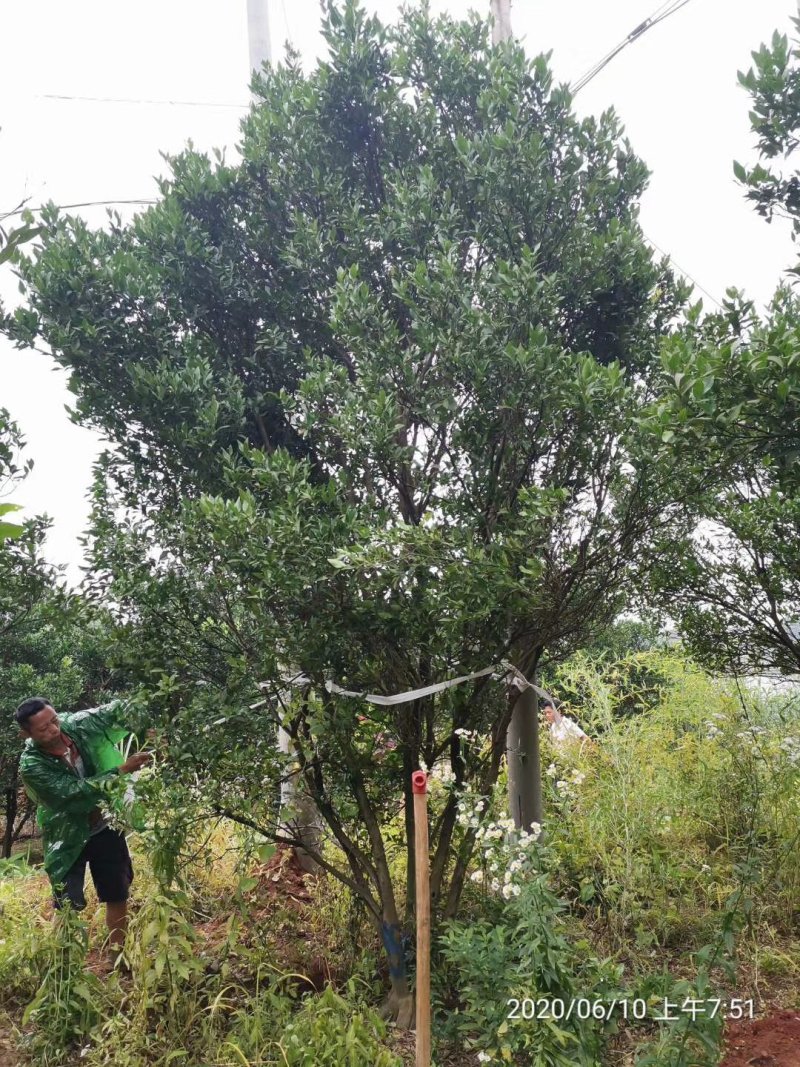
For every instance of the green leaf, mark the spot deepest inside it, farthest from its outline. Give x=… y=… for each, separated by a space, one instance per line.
x=10 y=531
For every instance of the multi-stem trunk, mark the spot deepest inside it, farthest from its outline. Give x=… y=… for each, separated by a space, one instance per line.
x=10 y=815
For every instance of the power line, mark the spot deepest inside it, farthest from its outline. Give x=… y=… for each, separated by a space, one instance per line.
x=286 y=20
x=686 y=274
x=85 y=203
x=669 y=7
x=143 y=202
x=108 y=203
x=143 y=100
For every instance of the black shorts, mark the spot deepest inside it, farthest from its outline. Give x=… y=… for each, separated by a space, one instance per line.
x=112 y=871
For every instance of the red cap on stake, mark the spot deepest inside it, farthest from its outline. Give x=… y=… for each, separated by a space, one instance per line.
x=419 y=782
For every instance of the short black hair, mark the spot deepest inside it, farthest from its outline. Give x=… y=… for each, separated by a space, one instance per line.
x=548 y=703
x=31 y=706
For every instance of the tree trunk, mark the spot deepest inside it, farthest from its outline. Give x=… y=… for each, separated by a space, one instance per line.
x=11 y=815
x=300 y=817
x=399 y=1004
x=524 y=770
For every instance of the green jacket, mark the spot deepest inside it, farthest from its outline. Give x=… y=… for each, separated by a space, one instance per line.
x=64 y=800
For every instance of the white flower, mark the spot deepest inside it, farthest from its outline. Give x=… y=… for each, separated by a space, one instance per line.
x=552 y=771
x=466 y=735
x=508 y=891
x=484 y=1057
x=495 y=884
x=477 y=876
x=515 y=889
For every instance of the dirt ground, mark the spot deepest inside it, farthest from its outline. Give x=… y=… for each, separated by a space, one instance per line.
x=8 y=1057
x=770 y=1042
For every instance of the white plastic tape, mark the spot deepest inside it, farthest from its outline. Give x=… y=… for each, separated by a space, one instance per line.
x=518 y=680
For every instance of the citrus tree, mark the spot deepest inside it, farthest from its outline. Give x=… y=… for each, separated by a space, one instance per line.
x=374 y=393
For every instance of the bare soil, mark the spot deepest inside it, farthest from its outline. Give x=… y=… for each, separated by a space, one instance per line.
x=8 y=1057
x=770 y=1042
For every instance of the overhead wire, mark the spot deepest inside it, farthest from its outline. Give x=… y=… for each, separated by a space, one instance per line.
x=85 y=203
x=669 y=7
x=142 y=100
x=143 y=202
x=685 y=273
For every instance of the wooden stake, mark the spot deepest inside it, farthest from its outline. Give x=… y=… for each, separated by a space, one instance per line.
x=419 y=787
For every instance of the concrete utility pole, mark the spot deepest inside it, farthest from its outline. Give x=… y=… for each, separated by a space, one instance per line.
x=299 y=815
x=524 y=770
x=522 y=738
x=501 y=13
x=258 y=33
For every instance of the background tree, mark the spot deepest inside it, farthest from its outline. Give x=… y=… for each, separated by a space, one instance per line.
x=773 y=83
x=731 y=412
x=374 y=398
x=51 y=644
x=10 y=473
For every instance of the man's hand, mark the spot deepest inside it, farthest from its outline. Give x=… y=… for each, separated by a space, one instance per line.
x=135 y=761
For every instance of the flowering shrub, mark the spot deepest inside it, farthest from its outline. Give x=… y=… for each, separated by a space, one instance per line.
x=518 y=953
x=507 y=855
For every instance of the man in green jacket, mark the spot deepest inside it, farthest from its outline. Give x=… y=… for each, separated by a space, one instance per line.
x=64 y=764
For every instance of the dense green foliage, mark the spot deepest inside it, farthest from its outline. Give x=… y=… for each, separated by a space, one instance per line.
x=731 y=409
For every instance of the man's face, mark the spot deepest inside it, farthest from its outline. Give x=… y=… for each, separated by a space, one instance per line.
x=43 y=727
x=549 y=714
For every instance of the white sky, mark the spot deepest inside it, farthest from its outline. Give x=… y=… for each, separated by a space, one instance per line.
x=675 y=89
